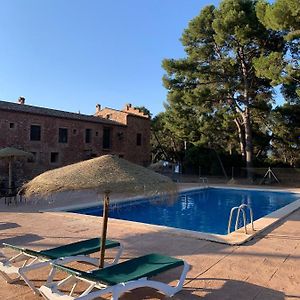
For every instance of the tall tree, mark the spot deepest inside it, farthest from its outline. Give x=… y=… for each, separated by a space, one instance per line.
x=165 y=144
x=145 y=110
x=218 y=73
x=282 y=67
x=285 y=126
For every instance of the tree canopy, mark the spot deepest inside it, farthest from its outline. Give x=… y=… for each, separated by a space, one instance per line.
x=216 y=83
x=282 y=67
x=285 y=126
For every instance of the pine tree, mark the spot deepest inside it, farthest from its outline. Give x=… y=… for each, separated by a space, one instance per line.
x=218 y=75
x=282 y=67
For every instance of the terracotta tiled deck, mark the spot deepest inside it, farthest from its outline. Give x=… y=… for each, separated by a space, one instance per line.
x=267 y=267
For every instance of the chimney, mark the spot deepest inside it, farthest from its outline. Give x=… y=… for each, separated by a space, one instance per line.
x=128 y=106
x=21 y=100
x=98 y=108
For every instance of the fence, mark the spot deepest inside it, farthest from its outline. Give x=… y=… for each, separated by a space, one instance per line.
x=265 y=175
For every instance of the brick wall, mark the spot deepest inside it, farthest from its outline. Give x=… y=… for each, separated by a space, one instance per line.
x=76 y=149
x=137 y=124
x=15 y=132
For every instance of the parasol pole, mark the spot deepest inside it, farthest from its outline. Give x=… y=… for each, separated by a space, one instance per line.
x=104 y=227
x=10 y=175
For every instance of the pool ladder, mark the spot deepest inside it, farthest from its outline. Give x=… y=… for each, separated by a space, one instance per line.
x=204 y=181
x=240 y=209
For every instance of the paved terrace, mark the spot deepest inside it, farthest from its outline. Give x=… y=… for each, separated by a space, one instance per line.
x=267 y=267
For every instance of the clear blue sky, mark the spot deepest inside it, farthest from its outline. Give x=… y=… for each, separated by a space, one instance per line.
x=72 y=54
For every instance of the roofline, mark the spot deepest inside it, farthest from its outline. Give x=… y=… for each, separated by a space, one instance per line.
x=118 y=110
x=69 y=115
x=127 y=113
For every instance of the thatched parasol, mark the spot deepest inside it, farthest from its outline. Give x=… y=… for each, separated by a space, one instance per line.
x=11 y=153
x=105 y=174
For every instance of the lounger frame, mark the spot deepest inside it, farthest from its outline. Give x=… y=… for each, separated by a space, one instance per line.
x=51 y=291
x=34 y=262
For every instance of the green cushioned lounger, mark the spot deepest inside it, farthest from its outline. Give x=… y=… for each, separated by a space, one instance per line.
x=120 y=277
x=84 y=247
x=136 y=268
x=78 y=251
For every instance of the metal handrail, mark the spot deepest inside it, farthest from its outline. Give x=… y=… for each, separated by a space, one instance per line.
x=240 y=209
x=230 y=218
x=203 y=181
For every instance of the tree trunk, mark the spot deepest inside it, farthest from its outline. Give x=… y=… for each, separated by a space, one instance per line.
x=241 y=133
x=248 y=142
x=160 y=145
x=245 y=114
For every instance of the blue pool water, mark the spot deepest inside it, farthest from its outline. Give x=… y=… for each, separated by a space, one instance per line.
x=205 y=210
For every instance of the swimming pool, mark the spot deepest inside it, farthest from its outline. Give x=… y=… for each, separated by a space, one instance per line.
x=205 y=210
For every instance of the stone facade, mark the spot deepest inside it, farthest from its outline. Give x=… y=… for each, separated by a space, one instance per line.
x=58 y=138
x=137 y=134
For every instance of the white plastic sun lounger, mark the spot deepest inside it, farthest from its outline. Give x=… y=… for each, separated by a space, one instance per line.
x=117 y=279
x=27 y=260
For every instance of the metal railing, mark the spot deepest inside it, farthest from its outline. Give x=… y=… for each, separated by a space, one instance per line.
x=203 y=181
x=240 y=209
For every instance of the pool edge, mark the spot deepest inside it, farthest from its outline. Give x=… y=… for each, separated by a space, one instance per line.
x=234 y=238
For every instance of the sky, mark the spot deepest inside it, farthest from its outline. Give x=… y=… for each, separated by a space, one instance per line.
x=72 y=54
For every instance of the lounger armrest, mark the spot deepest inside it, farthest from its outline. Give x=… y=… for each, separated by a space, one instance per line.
x=13 y=247
x=24 y=250
x=68 y=270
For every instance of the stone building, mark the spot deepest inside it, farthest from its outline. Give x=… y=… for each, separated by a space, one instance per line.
x=138 y=131
x=57 y=138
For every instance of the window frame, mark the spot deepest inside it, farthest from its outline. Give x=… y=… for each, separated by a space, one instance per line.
x=32 y=133
x=57 y=157
x=88 y=137
x=63 y=135
x=139 y=139
x=106 y=139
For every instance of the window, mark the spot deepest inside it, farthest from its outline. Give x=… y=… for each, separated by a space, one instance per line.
x=35 y=132
x=106 y=138
x=88 y=135
x=11 y=125
x=54 y=157
x=96 y=133
x=74 y=131
x=139 y=139
x=62 y=135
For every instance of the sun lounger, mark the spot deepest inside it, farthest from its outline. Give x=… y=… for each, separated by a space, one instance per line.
x=27 y=260
x=117 y=279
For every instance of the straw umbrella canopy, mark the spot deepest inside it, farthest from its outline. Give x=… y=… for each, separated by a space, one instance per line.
x=105 y=174
x=10 y=154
